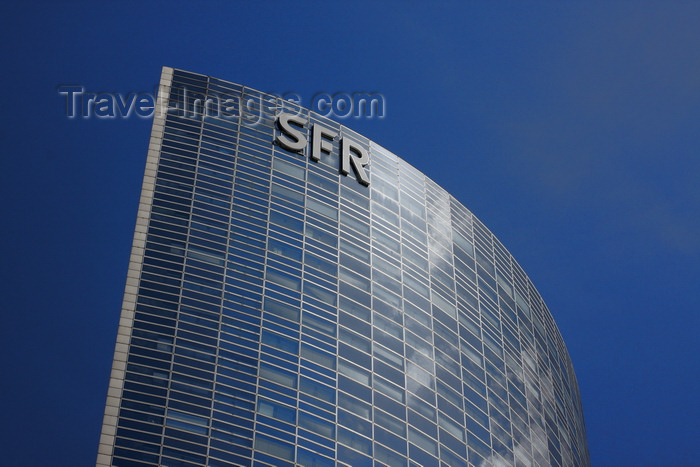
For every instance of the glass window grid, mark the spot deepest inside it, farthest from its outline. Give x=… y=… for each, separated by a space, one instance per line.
x=522 y=327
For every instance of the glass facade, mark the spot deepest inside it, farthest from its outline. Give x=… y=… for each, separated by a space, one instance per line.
x=278 y=312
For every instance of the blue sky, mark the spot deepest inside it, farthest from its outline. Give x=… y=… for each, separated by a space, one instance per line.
x=571 y=129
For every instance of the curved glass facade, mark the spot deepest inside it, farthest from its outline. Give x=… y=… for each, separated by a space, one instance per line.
x=280 y=312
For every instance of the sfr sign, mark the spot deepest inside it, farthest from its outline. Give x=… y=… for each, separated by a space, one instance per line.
x=292 y=138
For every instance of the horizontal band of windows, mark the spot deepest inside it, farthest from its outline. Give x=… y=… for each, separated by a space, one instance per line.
x=143 y=393
x=129 y=396
x=253 y=137
x=224 y=420
x=175 y=176
x=252 y=192
x=172 y=153
x=200 y=408
x=282 y=323
x=182 y=144
x=133 y=408
x=255 y=192
x=322 y=268
x=187 y=155
x=202 y=257
x=359 y=280
x=201 y=297
x=202 y=284
x=149 y=353
x=150 y=430
x=285 y=227
x=215 y=195
x=320 y=222
x=253 y=144
x=323 y=185
x=285 y=246
x=279 y=436
x=252 y=166
x=351 y=228
x=171 y=206
x=177 y=453
x=313 y=446
x=248 y=213
x=232 y=333
x=155 y=323
x=145 y=375
x=228 y=450
x=242 y=315
x=148 y=287
x=122 y=456
x=319 y=182
x=244 y=374
x=214 y=181
x=247 y=207
x=169 y=187
x=156 y=275
x=156 y=361
x=236 y=384
x=314 y=396
x=195 y=411
x=227 y=366
x=186 y=435
x=233 y=327
x=163 y=247
x=193 y=358
x=254 y=239
x=243 y=280
x=225 y=89
x=218 y=161
x=195 y=342
x=217 y=157
x=172 y=216
x=171 y=134
x=318 y=327
x=323 y=371
x=209 y=216
x=194 y=396
x=244 y=269
x=279 y=357
x=167 y=232
x=209 y=225
x=194 y=83
x=285 y=263
x=144 y=413
x=320 y=385
x=218 y=138
x=228 y=121
x=389 y=456
x=241 y=297
x=172 y=121
x=320 y=287
x=350 y=420
x=138 y=440
x=283 y=179
x=174 y=168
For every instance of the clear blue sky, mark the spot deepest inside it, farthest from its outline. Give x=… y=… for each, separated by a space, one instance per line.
x=571 y=129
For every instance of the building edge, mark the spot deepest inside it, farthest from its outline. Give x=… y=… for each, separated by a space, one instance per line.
x=126 y=319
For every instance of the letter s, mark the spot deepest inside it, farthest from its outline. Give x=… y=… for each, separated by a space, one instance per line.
x=291 y=138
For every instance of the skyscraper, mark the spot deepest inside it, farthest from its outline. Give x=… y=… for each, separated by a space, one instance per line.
x=298 y=295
